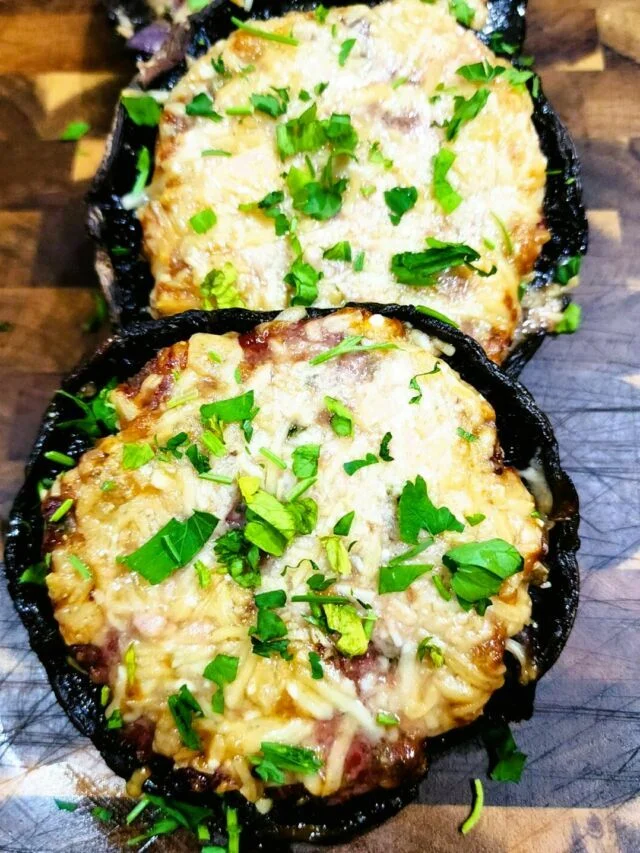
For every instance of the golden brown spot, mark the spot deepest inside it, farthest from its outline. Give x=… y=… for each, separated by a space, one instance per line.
x=489 y=655
x=164 y=364
x=530 y=241
x=246 y=47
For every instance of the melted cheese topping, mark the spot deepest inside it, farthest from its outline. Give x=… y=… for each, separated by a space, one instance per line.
x=177 y=627
x=499 y=170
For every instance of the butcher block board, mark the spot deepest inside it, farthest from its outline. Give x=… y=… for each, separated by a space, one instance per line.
x=580 y=792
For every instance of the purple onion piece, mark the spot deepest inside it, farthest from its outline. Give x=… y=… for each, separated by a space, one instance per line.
x=151 y=38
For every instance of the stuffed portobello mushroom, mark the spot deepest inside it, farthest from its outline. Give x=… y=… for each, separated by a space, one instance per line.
x=290 y=555
x=379 y=153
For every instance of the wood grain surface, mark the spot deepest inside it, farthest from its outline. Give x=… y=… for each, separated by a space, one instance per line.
x=580 y=792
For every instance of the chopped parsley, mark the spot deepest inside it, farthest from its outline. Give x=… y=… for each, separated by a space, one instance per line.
x=475 y=519
x=462 y=12
x=240 y=558
x=337 y=555
x=264 y=34
x=215 y=152
x=345 y=49
x=443 y=592
x=115 y=721
x=416 y=512
x=316 y=666
x=348 y=345
x=341 y=419
x=184 y=707
x=413 y=382
x=203 y=221
x=270 y=207
x=431 y=312
x=344 y=619
x=172 y=547
x=342 y=527
x=422 y=268
x=479 y=569
x=320 y=13
x=476 y=811
x=384 y=718
x=303 y=278
x=199 y=461
x=397 y=577
x=99 y=413
x=376 y=156
x=222 y=670
x=356 y=464
x=203 y=573
x=273 y=105
x=61 y=511
x=60 y=458
x=384 y=453
x=400 y=200
x=466 y=436
x=232 y=410
x=37 y=572
x=339 y=252
x=320 y=199
x=570 y=321
x=74 y=131
x=305 y=460
x=464 y=110
x=268 y=635
x=507 y=762
x=201 y=105
x=506 y=237
x=80 y=567
x=443 y=192
x=427 y=646
x=567 y=269
x=358 y=262
x=136 y=455
x=272 y=457
x=308 y=133
x=277 y=758
x=143 y=110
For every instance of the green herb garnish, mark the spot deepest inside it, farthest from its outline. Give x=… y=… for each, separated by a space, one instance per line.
x=416 y=512
x=443 y=192
x=345 y=49
x=348 y=345
x=264 y=34
x=341 y=419
x=305 y=460
x=75 y=130
x=400 y=200
x=479 y=570
x=184 y=707
x=342 y=527
x=277 y=758
x=134 y=456
x=203 y=221
x=356 y=464
x=222 y=670
x=143 y=110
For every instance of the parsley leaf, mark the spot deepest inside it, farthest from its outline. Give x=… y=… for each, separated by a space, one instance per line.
x=99 y=412
x=413 y=382
x=341 y=419
x=480 y=72
x=218 y=285
x=507 y=762
x=274 y=758
x=466 y=436
x=172 y=547
x=316 y=666
x=475 y=519
x=264 y=34
x=339 y=252
x=203 y=221
x=184 y=707
x=305 y=460
x=422 y=268
x=342 y=526
x=462 y=12
x=233 y=410
x=344 y=619
x=202 y=105
x=479 y=569
x=567 y=269
x=240 y=557
x=75 y=130
x=222 y=670
x=348 y=345
x=443 y=192
x=270 y=104
x=376 y=156
x=427 y=646
x=383 y=453
x=143 y=110
x=268 y=635
x=464 y=110
x=400 y=200
x=136 y=455
x=303 y=278
x=416 y=512
x=337 y=555
x=570 y=321
x=345 y=49
x=356 y=464
x=399 y=576
x=431 y=312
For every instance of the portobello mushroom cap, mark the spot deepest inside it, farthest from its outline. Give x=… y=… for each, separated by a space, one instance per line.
x=527 y=441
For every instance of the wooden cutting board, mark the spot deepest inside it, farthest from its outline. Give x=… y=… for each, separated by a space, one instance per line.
x=59 y=62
